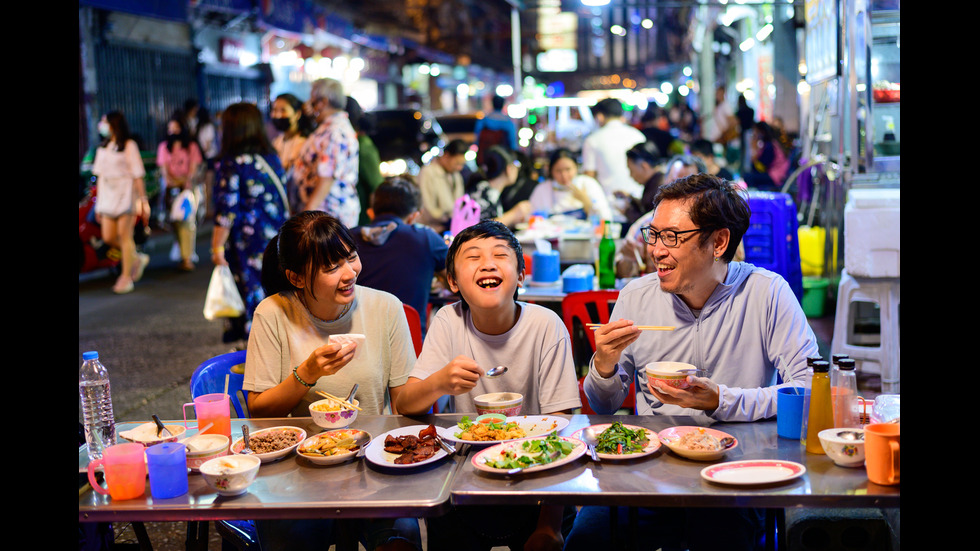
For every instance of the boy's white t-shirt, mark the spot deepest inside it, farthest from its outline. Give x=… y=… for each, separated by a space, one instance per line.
x=537 y=350
x=284 y=334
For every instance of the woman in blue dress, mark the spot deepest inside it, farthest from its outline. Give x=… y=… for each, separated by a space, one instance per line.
x=250 y=206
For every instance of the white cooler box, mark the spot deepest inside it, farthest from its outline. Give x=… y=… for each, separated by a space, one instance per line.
x=872 y=233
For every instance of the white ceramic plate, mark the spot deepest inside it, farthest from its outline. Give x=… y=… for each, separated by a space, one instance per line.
x=668 y=436
x=652 y=446
x=269 y=457
x=493 y=453
x=533 y=425
x=754 y=471
x=328 y=459
x=376 y=453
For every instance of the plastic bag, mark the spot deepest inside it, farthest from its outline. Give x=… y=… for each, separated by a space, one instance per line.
x=184 y=207
x=223 y=299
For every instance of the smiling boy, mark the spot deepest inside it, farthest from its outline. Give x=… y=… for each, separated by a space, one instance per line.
x=490 y=327
x=486 y=328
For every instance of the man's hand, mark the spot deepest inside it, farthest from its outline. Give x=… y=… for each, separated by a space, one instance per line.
x=702 y=394
x=610 y=341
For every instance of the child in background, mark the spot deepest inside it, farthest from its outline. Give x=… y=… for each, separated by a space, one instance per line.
x=486 y=328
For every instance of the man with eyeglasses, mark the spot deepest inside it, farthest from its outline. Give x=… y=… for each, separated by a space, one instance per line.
x=740 y=324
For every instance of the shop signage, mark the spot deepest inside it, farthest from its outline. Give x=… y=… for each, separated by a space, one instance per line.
x=230 y=50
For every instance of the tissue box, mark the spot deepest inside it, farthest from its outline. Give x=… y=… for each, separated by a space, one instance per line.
x=578 y=277
x=872 y=233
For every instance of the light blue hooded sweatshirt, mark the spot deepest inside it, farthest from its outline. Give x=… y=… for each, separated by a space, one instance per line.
x=751 y=328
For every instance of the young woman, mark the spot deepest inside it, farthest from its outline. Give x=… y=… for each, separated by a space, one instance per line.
x=178 y=158
x=568 y=192
x=310 y=273
x=250 y=206
x=121 y=193
x=288 y=118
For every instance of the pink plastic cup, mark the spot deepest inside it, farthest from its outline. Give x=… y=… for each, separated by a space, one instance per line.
x=125 y=471
x=214 y=409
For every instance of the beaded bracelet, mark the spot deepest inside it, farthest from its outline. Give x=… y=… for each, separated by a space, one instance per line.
x=300 y=379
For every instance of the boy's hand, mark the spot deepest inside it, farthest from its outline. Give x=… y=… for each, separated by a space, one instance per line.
x=460 y=375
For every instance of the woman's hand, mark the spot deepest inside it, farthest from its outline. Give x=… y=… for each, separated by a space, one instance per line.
x=326 y=360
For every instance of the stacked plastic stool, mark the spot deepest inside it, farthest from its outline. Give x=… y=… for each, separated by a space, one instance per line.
x=871 y=275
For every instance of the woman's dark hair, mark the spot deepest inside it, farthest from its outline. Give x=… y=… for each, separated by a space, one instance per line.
x=183 y=136
x=647 y=152
x=495 y=162
x=764 y=130
x=716 y=204
x=119 y=128
x=307 y=243
x=243 y=131
x=484 y=229
x=397 y=196
x=559 y=154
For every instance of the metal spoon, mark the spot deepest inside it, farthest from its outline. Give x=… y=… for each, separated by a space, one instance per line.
x=160 y=427
x=588 y=435
x=246 y=450
x=362 y=439
x=350 y=396
x=496 y=371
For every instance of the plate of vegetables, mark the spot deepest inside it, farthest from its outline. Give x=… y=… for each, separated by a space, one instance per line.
x=529 y=454
x=619 y=441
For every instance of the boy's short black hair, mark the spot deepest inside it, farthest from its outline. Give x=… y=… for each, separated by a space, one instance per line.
x=484 y=229
x=396 y=196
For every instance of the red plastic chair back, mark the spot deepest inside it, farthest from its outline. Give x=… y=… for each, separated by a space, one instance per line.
x=575 y=306
x=415 y=327
x=628 y=403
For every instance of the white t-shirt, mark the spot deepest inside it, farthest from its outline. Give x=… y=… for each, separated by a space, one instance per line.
x=604 y=152
x=557 y=199
x=537 y=350
x=284 y=334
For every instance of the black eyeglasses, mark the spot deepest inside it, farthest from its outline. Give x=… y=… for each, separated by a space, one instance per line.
x=667 y=237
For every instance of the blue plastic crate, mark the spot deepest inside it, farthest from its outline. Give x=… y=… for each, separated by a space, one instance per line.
x=772 y=240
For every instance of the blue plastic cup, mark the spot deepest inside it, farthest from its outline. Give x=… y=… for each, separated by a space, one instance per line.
x=167 y=464
x=789 y=411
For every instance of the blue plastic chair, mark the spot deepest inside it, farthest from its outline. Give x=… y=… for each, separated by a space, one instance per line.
x=209 y=378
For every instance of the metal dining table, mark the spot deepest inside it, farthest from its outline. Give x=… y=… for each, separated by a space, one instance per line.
x=295 y=488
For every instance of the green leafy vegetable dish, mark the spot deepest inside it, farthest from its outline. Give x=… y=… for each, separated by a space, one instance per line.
x=619 y=439
x=530 y=453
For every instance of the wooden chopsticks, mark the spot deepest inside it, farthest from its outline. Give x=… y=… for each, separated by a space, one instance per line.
x=594 y=326
x=340 y=401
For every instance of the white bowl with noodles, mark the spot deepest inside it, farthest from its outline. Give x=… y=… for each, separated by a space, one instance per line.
x=329 y=414
x=230 y=475
x=693 y=442
x=333 y=446
x=285 y=433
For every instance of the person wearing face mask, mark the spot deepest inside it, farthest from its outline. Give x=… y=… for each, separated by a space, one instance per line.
x=309 y=272
x=121 y=192
x=178 y=158
x=294 y=126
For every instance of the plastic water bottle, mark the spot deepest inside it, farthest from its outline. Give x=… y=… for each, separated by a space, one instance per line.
x=93 y=388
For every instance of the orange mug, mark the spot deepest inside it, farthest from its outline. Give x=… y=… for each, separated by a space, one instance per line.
x=882 y=453
x=125 y=471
